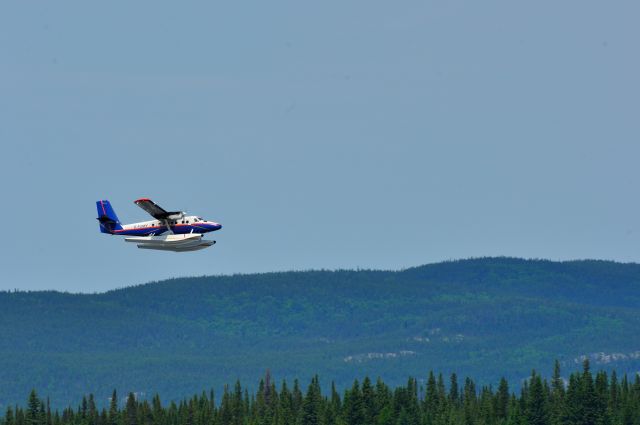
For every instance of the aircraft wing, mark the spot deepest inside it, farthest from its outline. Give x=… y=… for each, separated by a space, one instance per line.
x=157 y=211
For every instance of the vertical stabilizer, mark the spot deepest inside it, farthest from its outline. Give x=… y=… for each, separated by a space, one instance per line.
x=107 y=217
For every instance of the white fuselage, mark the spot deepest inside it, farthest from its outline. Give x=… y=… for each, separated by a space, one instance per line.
x=183 y=225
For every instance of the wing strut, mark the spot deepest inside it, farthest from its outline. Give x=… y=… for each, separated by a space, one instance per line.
x=166 y=223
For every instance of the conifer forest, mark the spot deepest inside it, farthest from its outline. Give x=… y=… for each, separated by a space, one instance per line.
x=585 y=398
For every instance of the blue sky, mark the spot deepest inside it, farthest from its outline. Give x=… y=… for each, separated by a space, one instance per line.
x=320 y=134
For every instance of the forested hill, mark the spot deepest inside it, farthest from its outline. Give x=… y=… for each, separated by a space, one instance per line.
x=484 y=318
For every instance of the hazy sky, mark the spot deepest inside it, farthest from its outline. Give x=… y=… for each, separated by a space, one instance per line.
x=332 y=134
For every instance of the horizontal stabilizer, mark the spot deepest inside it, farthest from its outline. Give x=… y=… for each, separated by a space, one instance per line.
x=105 y=219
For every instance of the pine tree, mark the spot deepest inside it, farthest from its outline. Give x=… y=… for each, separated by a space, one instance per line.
x=502 y=399
x=588 y=399
x=413 y=405
x=145 y=416
x=556 y=408
x=354 y=406
x=486 y=407
x=131 y=413
x=33 y=409
x=602 y=399
x=383 y=395
x=614 y=401
x=536 y=412
x=368 y=401
x=260 y=406
x=442 y=398
x=237 y=404
x=270 y=399
x=573 y=414
x=113 y=409
x=431 y=400
x=469 y=402
x=312 y=404
x=157 y=412
x=287 y=414
x=333 y=406
x=84 y=407
x=296 y=400
x=225 y=412
x=454 y=396
x=92 y=412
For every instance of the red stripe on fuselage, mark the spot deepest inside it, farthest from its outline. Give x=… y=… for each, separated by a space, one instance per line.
x=140 y=228
x=159 y=227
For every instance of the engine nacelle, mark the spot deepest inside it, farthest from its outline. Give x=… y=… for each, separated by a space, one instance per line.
x=177 y=215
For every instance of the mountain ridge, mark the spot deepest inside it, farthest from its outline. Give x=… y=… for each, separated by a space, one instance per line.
x=484 y=317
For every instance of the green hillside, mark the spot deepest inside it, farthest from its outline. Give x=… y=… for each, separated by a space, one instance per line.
x=485 y=318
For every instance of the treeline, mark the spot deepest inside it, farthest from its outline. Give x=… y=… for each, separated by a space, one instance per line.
x=584 y=399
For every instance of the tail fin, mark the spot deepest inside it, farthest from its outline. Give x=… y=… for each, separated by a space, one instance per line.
x=107 y=217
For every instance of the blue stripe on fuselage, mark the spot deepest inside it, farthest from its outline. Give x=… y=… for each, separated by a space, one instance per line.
x=176 y=229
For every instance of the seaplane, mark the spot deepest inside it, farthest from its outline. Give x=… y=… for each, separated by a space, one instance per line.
x=169 y=231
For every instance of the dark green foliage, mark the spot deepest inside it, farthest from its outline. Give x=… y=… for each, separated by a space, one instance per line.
x=502 y=400
x=33 y=410
x=354 y=410
x=536 y=412
x=131 y=411
x=313 y=406
x=482 y=317
x=556 y=399
x=602 y=401
x=113 y=409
